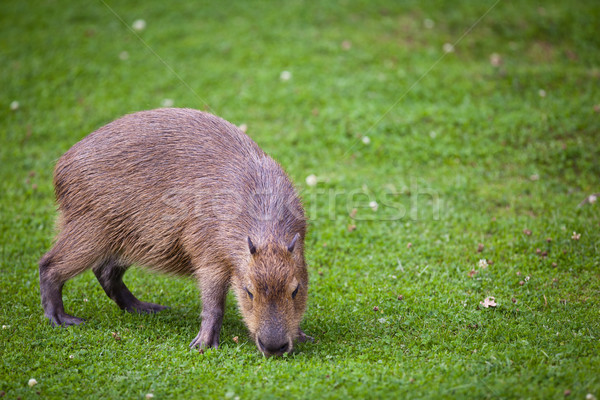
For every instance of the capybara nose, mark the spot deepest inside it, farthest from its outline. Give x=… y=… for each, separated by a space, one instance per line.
x=273 y=347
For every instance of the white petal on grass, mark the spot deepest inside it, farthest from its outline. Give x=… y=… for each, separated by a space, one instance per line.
x=448 y=48
x=285 y=75
x=139 y=25
x=366 y=140
x=488 y=302
x=167 y=103
x=428 y=23
x=495 y=60
x=374 y=206
x=14 y=105
x=483 y=264
x=32 y=382
x=311 y=180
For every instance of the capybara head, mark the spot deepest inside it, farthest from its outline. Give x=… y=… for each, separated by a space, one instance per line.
x=272 y=292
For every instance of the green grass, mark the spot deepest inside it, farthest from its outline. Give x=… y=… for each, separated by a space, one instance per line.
x=461 y=152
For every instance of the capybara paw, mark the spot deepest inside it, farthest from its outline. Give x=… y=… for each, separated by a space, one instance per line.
x=141 y=307
x=303 y=337
x=64 y=320
x=203 y=341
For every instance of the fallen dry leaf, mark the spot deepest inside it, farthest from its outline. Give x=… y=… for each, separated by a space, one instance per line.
x=235 y=339
x=351 y=227
x=353 y=213
x=472 y=273
x=480 y=247
x=488 y=302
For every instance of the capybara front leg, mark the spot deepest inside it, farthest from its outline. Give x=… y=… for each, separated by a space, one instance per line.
x=214 y=291
x=110 y=275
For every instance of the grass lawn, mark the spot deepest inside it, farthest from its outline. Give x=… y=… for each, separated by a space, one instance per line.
x=474 y=126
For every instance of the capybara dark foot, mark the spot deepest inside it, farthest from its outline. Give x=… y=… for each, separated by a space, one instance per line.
x=206 y=338
x=63 y=319
x=303 y=337
x=141 y=307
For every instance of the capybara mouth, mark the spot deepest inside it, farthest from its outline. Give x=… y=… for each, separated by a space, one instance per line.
x=271 y=349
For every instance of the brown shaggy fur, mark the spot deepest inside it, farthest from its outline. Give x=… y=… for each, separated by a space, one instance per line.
x=187 y=193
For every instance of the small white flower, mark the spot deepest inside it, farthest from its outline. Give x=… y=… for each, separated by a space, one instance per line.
x=590 y=396
x=85 y=300
x=366 y=140
x=448 y=48
x=542 y=93
x=495 y=60
x=527 y=278
x=123 y=55
x=139 y=25
x=149 y=396
x=488 y=302
x=243 y=128
x=576 y=236
x=311 y=180
x=374 y=206
x=285 y=75
x=428 y=23
x=483 y=264
x=14 y=105
x=167 y=103
x=5 y=326
x=71 y=356
x=32 y=382
x=592 y=198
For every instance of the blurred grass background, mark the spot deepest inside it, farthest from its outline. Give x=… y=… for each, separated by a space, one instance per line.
x=468 y=123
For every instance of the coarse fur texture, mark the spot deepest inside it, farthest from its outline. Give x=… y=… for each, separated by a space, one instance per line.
x=187 y=193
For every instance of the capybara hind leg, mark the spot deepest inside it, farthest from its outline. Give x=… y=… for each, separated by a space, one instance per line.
x=214 y=292
x=110 y=275
x=51 y=284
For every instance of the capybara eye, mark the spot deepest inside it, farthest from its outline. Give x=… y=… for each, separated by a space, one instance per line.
x=295 y=292
x=249 y=294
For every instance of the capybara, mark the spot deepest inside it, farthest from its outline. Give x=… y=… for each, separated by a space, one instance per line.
x=186 y=193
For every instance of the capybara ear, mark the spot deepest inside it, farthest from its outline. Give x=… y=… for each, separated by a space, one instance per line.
x=293 y=243
x=251 y=246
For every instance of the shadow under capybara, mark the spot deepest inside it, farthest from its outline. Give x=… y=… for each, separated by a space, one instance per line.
x=187 y=193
